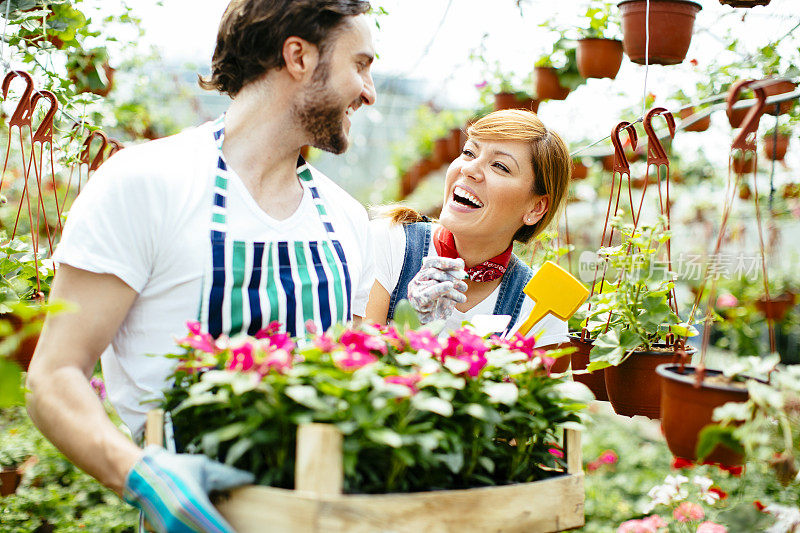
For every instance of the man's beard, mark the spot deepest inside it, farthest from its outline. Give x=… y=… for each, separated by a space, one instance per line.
x=321 y=115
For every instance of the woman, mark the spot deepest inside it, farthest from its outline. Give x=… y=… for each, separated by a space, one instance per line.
x=507 y=185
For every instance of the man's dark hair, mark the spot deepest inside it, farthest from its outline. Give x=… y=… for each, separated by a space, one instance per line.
x=252 y=32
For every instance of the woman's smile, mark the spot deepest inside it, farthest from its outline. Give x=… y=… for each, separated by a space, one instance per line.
x=464 y=199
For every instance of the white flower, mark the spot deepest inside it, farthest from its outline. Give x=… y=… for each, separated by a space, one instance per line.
x=676 y=481
x=788 y=518
x=703 y=482
x=709 y=497
x=661 y=495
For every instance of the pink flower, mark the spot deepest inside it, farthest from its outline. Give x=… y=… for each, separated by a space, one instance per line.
x=194 y=327
x=463 y=342
x=280 y=341
x=476 y=363
x=555 y=452
x=688 y=512
x=241 y=359
x=409 y=381
x=651 y=524
x=392 y=337
x=711 y=527
x=523 y=344
x=608 y=457
x=353 y=360
x=279 y=360
x=726 y=301
x=593 y=465
x=481 y=85
x=423 y=340
x=311 y=327
x=271 y=329
x=325 y=343
x=197 y=339
x=99 y=387
x=359 y=341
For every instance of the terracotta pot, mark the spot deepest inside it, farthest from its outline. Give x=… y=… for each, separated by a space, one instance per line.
x=608 y=163
x=531 y=104
x=744 y=192
x=580 y=360
x=780 y=87
x=599 y=58
x=633 y=386
x=9 y=480
x=441 y=152
x=776 y=148
x=24 y=352
x=777 y=307
x=791 y=190
x=561 y=364
x=736 y=117
x=579 y=170
x=742 y=165
x=744 y=3
x=671 y=25
x=701 y=125
x=505 y=101
x=455 y=143
x=685 y=410
x=637 y=183
x=548 y=86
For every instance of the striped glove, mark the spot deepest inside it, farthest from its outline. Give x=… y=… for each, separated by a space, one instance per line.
x=434 y=291
x=172 y=490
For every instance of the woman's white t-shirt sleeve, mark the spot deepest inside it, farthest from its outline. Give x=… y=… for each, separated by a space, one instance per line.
x=389 y=245
x=361 y=294
x=99 y=235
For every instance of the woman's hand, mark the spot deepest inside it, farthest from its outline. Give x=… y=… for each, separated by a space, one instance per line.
x=437 y=288
x=172 y=490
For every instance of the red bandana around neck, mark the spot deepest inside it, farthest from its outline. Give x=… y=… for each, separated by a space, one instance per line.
x=489 y=270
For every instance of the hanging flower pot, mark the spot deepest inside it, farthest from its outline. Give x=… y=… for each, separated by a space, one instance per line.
x=441 y=152
x=23 y=354
x=780 y=87
x=531 y=104
x=700 y=125
x=775 y=148
x=776 y=307
x=579 y=170
x=455 y=143
x=633 y=386
x=743 y=165
x=599 y=58
x=686 y=409
x=671 y=26
x=744 y=3
x=548 y=86
x=744 y=192
x=505 y=101
x=580 y=360
x=608 y=163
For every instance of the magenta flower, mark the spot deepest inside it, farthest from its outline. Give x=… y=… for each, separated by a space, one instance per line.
x=280 y=341
x=197 y=339
x=353 y=360
x=311 y=327
x=194 y=327
x=360 y=341
x=476 y=363
x=608 y=457
x=241 y=359
x=523 y=344
x=99 y=387
x=271 y=329
x=279 y=360
x=409 y=381
x=463 y=342
x=481 y=85
x=423 y=340
x=688 y=512
x=324 y=343
x=392 y=337
x=711 y=527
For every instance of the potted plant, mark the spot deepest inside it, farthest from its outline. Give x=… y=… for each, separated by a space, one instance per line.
x=671 y=27
x=415 y=413
x=501 y=86
x=744 y=164
x=13 y=463
x=579 y=169
x=775 y=146
x=632 y=318
x=599 y=52
x=556 y=74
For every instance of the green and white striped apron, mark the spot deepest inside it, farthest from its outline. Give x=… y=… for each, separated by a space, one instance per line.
x=249 y=284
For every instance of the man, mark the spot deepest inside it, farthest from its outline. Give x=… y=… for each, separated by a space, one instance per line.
x=223 y=223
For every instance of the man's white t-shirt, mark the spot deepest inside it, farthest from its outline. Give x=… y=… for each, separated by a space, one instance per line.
x=389 y=241
x=144 y=217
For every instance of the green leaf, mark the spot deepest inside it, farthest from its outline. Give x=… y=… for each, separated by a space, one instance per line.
x=238 y=449
x=405 y=316
x=385 y=436
x=434 y=404
x=713 y=435
x=10 y=384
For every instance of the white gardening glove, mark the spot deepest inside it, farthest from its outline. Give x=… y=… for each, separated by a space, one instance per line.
x=437 y=288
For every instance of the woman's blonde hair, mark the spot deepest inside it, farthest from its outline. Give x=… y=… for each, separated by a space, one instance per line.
x=550 y=160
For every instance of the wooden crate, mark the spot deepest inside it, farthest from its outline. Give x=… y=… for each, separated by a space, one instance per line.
x=318 y=505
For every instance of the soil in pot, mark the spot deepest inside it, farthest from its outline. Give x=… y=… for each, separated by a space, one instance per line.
x=776 y=148
x=777 y=307
x=671 y=27
x=701 y=125
x=548 y=86
x=580 y=360
x=686 y=410
x=633 y=386
x=599 y=58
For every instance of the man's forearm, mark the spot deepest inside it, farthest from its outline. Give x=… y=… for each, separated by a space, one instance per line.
x=66 y=410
